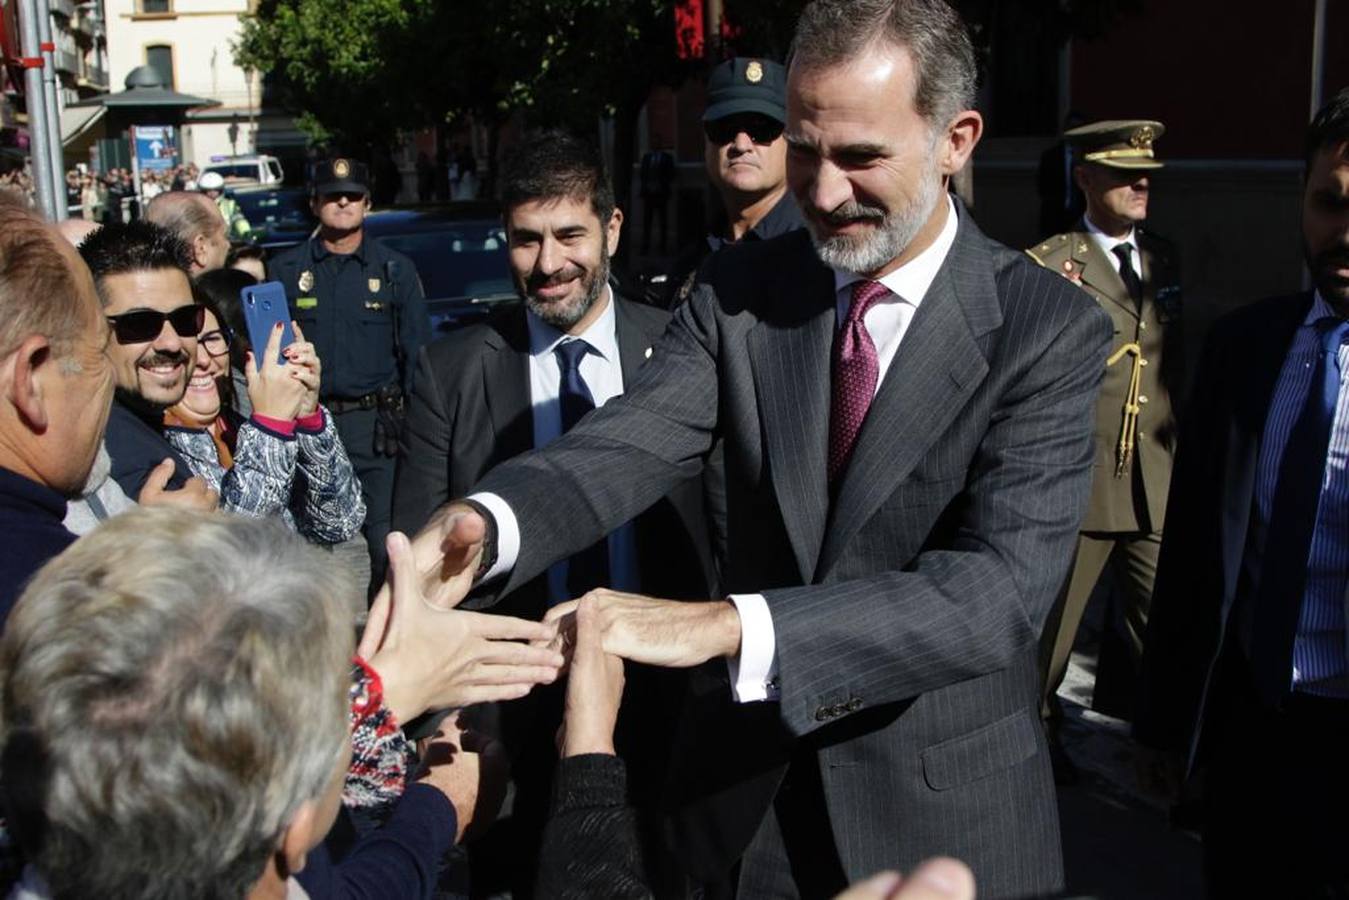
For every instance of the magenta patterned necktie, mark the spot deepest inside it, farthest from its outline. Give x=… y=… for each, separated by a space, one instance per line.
x=856 y=370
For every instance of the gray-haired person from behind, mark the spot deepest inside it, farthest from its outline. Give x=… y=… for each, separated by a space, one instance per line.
x=164 y=742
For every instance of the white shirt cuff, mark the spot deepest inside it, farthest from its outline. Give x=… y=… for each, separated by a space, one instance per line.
x=754 y=671
x=508 y=534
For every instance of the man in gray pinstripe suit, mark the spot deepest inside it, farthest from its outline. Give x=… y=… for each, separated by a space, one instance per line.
x=906 y=411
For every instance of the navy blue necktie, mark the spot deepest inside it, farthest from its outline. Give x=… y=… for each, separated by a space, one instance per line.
x=1292 y=523
x=588 y=569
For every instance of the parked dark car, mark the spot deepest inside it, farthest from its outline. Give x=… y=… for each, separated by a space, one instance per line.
x=460 y=254
x=280 y=216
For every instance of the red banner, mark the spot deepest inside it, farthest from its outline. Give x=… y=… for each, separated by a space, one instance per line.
x=689 y=30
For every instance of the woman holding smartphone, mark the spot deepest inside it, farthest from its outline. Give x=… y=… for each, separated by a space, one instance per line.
x=284 y=459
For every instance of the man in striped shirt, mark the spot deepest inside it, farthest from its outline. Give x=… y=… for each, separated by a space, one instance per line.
x=1246 y=672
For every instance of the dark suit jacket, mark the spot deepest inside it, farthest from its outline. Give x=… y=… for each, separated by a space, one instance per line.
x=906 y=612
x=1212 y=490
x=470 y=410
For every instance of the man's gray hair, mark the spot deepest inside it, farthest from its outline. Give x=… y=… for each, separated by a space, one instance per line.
x=186 y=214
x=832 y=32
x=172 y=688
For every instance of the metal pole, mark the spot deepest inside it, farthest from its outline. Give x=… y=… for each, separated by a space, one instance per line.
x=1318 y=55
x=50 y=89
x=38 y=133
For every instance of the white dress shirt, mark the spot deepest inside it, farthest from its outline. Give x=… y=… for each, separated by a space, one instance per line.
x=1108 y=244
x=602 y=371
x=754 y=670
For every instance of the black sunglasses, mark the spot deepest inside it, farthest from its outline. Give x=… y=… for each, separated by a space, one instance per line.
x=143 y=325
x=761 y=129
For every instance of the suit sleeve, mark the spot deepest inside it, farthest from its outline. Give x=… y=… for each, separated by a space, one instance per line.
x=414 y=323
x=1183 y=618
x=974 y=605
x=422 y=484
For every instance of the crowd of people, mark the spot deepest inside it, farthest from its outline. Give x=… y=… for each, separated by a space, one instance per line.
x=758 y=594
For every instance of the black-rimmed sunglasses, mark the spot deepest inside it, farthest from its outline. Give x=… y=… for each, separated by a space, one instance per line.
x=143 y=325
x=761 y=129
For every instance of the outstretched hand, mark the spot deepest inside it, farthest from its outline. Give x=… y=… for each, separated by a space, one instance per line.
x=594 y=690
x=669 y=633
x=939 y=878
x=431 y=657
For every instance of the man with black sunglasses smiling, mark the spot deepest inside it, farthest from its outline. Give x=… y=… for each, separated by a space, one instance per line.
x=141 y=273
x=746 y=159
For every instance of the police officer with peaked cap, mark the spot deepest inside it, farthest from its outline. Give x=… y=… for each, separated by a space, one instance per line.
x=361 y=305
x=746 y=159
x=1134 y=276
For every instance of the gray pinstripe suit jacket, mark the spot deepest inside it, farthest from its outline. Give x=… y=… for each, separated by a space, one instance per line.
x=907 y=610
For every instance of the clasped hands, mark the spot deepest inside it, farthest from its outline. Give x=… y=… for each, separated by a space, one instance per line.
x=479 y=657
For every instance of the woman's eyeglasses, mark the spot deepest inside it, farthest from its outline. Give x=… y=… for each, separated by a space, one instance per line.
x=144 y=325
x=216 y=343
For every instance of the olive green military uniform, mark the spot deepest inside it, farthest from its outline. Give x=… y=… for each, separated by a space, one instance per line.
x=1135 y=438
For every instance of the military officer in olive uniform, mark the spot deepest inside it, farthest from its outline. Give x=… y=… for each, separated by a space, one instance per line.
x=361 y=305
x=1135 y=278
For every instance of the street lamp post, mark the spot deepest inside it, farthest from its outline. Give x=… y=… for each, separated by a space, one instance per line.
x=39 y=129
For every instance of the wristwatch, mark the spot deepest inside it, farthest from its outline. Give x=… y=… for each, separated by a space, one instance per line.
x=489 y=540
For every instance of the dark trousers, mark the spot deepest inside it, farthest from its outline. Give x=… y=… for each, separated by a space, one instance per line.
x=356 y=428
x=793 y=855
x=1275 y=795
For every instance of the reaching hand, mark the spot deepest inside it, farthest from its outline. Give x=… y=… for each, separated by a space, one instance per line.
x=194 y=494
x=594 y=689
x=470 y=770
x=308 y=369
x=429 y=657
x=939 y=878
x=273 y=388
x=667 y=633
x=445 y=554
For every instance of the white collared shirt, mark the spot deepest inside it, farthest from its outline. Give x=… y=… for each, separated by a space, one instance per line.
x=1108 y=244
x=602 y=371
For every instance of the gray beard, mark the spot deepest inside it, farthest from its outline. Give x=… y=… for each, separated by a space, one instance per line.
x=869 y=253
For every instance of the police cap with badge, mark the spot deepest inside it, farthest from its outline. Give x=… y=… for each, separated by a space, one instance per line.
x=341 y=175
x=1116 y=143
x=741 y=89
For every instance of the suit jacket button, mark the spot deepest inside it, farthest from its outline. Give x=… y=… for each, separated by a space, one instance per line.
x=854 y=704
x=822 y=713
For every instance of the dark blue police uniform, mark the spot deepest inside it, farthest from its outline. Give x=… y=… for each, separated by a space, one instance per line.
x=350 y=307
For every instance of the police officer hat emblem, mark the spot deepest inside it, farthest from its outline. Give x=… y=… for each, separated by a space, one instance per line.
x=1142 y=138
x=341 y=168
x=306 y=280
x=754 y=72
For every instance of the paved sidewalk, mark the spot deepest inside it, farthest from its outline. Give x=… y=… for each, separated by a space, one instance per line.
x=1117 y=844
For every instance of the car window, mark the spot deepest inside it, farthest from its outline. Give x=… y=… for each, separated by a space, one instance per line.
x=275 y=168
x=248 y=171
x=460 y=260
x=276 y=208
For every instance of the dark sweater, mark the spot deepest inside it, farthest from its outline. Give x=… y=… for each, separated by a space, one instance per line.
x=30 y=522
x=398 y=861
x=590 y=844
x=136 y=444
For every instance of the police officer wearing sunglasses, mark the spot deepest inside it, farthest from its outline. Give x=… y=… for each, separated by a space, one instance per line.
x=746 y=159
x=361 y=305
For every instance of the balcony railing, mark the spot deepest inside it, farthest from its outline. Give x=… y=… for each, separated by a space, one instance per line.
x=66 y=62
x=95 y=77
x=64 y=7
